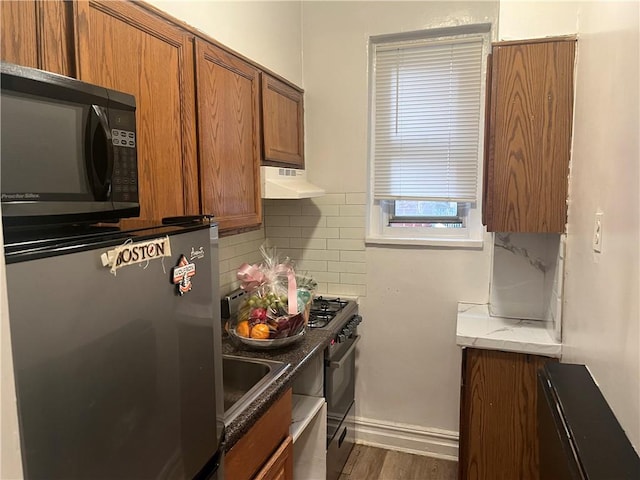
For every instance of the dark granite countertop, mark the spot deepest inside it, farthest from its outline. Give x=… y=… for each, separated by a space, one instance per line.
x=297 y=356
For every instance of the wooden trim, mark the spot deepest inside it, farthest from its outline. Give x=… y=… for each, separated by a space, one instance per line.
x=280 y=465
x=190 y=167
x=463 y=437
x=55 y=36
x=408 y=438
x=203 y=36
x=490 y=138
x=129 y=12
x=486 y=204
x=561 y=38
x=80 y=15
x=81 y=30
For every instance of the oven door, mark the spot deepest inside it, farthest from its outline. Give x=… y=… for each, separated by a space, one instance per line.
x=340 y=375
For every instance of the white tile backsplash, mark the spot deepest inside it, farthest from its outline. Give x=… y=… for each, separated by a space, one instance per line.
x=348 y=267
x=311 y=221
x=320 y=232
x=331 y=199
x=353 y=210
x=321 y=210
x=324 y=236
x=304 y=243
x=233 y=252
x=348 y=222
x=330 y=243
x=345 y=244
x=356 y=198
x=352 y=256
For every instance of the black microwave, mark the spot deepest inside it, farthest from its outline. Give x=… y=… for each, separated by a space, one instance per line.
x=68 y=150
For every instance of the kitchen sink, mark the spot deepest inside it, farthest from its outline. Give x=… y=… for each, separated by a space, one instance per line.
x=244 y=379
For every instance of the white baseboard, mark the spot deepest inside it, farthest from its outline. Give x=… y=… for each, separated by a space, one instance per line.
x=432 y=442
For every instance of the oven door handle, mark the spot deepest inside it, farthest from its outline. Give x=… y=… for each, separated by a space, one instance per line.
x=339 y=363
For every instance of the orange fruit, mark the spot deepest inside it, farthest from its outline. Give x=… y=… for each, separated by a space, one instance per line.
x=242 y=328
x=260 y=331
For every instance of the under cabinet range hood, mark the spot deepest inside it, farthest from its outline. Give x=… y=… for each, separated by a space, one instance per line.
x=278 y=182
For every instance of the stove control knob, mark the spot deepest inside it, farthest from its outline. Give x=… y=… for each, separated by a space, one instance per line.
x=341 y=338
x=357 y=319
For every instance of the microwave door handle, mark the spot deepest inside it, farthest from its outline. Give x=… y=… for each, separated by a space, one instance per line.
x=100 y=153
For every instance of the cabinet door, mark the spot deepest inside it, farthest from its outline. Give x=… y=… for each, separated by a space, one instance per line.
x=498 y=422
x=124 y=47
x=37 y=34
x=283 y=123
x=530 y=136
x=261 y=445
x=18 y=36
x=228 y=137
x=280 y=465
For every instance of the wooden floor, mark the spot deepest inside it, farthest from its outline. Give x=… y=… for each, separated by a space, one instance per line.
x=371 y=463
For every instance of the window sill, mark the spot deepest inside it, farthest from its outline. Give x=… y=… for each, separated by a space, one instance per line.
x=426 y=242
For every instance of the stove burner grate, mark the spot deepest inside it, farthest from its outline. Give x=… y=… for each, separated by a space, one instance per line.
x=323 y=310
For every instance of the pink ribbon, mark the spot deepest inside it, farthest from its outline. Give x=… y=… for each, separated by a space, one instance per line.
x=292 y=293
x=250 y=276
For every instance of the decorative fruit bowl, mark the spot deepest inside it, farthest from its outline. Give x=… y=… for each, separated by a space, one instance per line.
x=257 y=325
x=275 y=312
x=268 y=343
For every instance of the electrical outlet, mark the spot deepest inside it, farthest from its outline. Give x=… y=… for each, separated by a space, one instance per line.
x=597 y=233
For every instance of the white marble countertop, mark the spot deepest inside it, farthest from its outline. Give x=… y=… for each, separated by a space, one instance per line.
x=477 y=329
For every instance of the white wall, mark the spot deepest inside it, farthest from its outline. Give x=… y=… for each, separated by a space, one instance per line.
x=408 y=362
x=267 y=32
x=325 y=238
x=534 y=19
x=601 y=313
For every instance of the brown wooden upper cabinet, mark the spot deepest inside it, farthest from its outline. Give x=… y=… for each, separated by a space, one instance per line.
x=228 y=137
x=127 y=48
x=529 y=135
x=135 y=48
x=282 y=123
x=37 y=34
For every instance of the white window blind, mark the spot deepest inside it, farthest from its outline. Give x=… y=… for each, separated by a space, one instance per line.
x=427 y=114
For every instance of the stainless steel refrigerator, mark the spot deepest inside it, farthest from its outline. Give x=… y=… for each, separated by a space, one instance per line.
x=118 y=369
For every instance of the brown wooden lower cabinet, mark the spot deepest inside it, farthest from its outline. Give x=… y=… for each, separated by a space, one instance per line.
x=266 y=451
x=498 y=419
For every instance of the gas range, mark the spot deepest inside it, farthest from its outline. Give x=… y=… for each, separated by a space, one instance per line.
x=331 y=313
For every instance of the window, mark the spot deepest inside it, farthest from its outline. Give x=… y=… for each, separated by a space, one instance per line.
x=426 y=99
